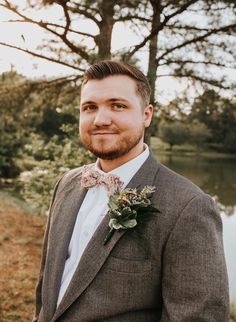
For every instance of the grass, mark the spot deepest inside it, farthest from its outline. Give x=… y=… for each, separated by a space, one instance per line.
x=186 y=149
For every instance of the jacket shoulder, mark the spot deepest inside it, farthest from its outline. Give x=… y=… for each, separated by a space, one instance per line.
x=174 y=191
x=176 y=183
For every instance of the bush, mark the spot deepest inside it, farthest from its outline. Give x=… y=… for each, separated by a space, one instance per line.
x=174 y=132
x=57 y=157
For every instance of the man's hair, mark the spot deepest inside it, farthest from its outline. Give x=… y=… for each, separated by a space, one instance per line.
x=108 y=68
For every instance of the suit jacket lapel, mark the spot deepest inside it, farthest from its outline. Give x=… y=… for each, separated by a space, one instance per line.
x=90 y=262
x=59 y=238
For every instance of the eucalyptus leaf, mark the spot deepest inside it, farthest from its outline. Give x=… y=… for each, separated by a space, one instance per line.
x=128 y=209
x=129 y=223
x=113 y=223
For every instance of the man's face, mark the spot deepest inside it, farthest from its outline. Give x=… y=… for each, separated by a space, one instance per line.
x=112 y=119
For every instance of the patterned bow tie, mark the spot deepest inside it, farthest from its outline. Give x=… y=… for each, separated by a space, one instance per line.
x=92 y=178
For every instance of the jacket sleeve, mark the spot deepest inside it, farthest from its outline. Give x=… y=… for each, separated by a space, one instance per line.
x=38 y=291
x=195 y=283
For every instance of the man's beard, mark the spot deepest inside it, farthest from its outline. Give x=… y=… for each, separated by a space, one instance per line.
x=121 y=148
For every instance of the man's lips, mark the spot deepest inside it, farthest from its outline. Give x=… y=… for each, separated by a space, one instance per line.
x=102 y=133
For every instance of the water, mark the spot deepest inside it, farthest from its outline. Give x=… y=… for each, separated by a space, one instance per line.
x=216 y=176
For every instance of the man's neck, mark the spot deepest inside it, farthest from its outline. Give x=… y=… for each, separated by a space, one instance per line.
x=109 y=165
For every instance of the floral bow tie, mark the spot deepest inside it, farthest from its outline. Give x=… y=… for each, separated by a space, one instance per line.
x=92 y=178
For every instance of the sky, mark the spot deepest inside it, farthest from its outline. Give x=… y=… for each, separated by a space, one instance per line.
x=34 y=68
x=29 y=36
x=32 y=37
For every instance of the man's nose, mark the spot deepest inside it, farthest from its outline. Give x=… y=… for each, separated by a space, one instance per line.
x=102 y=117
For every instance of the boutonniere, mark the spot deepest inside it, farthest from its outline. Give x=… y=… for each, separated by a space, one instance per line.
x=129 y=208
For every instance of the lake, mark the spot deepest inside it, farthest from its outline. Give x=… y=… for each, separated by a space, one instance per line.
x=216 y=176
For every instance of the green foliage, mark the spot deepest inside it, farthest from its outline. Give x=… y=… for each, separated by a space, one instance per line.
x=52 y=121
x=57 y=156
x=9 y=144
x=219 y=116
x=210 y=122
x=229 y=143
x=28 y=107
x=198 y=134
x=173 y=133
x=153 y=130
x=13 y=91
x=39 y=134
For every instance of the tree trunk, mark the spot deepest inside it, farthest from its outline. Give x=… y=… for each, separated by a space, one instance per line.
x=152 y=63
x=103 y=40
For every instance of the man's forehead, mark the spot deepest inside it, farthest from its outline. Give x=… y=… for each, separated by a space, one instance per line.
x=112 y=80
x=111 y=86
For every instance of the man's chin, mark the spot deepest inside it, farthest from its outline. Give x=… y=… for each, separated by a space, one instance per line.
x=114 y=151
x=106 y=155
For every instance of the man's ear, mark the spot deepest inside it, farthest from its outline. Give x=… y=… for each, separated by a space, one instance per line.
x=148 y=113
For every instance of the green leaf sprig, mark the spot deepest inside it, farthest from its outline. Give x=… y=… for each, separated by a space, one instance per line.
x=129 y=208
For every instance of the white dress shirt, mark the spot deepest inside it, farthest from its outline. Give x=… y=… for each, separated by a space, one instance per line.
x=90 y=215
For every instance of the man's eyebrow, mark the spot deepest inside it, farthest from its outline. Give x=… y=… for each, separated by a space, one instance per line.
x=114 y=99
x=87 y=102
x=117 y=99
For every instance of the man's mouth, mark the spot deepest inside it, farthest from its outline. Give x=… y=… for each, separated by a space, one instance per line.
x=103 y=133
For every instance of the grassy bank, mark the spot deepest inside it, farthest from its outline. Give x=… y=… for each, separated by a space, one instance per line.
x=188 y=150
x=21 y=234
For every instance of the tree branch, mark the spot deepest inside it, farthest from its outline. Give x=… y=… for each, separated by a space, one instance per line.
x=209 y=8
x=42 y=56
x=160 y=27
x=87 y=7
x=71 y=78
x=74 y=48
x=67 y=16
x=175 y=26
x=198 y=78
x=84 y=13
x=131 y=17
x=184 y=62
x=197 y=39
x=52 y=25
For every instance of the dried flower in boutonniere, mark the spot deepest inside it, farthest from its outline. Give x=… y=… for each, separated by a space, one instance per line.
x=129 y=208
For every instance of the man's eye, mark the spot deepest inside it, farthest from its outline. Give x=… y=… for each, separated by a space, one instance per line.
x=89 y=108
x=119 y=106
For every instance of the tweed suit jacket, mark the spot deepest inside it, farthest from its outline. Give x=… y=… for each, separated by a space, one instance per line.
x=176 y=272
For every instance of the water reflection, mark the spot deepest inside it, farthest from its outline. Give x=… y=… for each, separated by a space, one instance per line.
x=229 y=228
x=215 y=176
x=218 y=178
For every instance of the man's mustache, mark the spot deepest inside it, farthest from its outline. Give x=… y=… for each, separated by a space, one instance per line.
x=104 y=130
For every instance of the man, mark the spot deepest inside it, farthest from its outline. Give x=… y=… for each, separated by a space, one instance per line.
x=174 y=270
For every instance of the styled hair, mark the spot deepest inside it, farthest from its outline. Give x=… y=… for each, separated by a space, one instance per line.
x=108 y=68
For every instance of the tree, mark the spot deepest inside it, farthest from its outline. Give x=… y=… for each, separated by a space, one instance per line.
x=198 y=134
x=11 y=120
x=219 y=116
x=29 y=108
x=187 y=39
x=230 y=140
x=173 y=133
x=39 y=135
